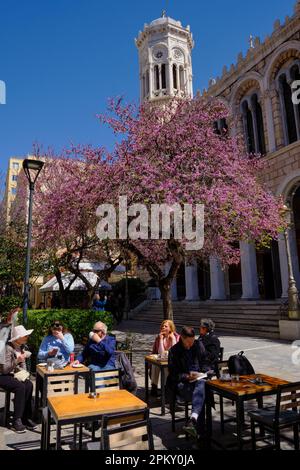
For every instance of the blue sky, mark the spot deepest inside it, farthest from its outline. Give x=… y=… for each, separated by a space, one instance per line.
x=62 y=59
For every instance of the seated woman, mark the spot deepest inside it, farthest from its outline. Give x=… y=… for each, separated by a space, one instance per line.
x=58 y=344
x=15 y=362
x=166 y=339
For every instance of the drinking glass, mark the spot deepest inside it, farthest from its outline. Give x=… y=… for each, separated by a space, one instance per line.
x=235 y=378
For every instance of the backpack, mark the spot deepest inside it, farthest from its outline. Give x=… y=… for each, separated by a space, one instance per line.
x=239 y=364
x=128 y=381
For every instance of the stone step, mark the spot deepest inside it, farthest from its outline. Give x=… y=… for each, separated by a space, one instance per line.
x=241 y=317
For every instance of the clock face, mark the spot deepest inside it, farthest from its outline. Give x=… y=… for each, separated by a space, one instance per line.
x=158 y=54
x=178 y=55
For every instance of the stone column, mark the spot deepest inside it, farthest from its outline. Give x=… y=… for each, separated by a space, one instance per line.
x=174 y=283
x=249 y=271
x=267 y=98
x=217 y=280
x=294 y=255
x=170 y=78
x=284 y=272
x=191 y=281
x=151 y=81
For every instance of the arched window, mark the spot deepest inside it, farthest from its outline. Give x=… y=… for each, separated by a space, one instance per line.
x=258 y=117
x=156 y=77
x=220 y=126
x=181 y=78
x=288 y=109
x=175 y=85
x=248 y=127
x=253 y=124
x=295 y=75
x=144 y=87
x=163 y=77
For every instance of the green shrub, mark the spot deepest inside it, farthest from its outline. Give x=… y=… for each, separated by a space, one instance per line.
x=9 y=303
x=78 y=322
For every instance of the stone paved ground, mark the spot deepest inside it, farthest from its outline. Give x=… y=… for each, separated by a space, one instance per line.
x=272 y=357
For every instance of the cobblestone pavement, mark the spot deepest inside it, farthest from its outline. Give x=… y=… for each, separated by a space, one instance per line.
x=272 y=357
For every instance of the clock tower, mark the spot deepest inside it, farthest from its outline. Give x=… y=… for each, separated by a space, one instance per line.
x=165 y=48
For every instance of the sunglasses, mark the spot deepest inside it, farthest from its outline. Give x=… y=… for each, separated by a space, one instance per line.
x=97 y=331
x=56 y=325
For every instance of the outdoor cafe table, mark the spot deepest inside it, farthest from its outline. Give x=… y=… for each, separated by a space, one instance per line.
x=239 y=392
x=42 y=375
x=77 y=409
x=152 y=359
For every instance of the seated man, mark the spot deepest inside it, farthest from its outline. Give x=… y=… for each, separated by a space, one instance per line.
x=186 y=357
x=211 y=343
x=100 y=350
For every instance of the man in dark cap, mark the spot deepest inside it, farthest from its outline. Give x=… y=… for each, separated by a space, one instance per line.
x=211 y=344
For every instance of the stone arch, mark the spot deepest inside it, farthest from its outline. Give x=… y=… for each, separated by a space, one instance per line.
x=251 y=80
x=286 y=51
x=290 y=182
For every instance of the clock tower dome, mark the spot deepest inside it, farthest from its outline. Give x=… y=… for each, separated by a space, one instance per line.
x=165 y=48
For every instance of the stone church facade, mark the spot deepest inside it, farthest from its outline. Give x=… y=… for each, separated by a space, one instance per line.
x=257 y=91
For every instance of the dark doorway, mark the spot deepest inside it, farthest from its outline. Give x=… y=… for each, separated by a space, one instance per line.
x=235 y=281
x=181 y=291
x=268 y=273
x=204 y=281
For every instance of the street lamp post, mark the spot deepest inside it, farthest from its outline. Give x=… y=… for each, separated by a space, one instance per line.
x=293 y=295
x=32 y=169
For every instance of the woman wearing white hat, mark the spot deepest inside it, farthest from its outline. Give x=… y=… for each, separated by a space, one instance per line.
x=15 y=366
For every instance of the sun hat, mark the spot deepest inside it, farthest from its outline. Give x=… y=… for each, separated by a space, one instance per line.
x=19 y=332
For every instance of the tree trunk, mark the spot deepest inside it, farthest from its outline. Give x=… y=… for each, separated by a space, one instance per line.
x=165 y=290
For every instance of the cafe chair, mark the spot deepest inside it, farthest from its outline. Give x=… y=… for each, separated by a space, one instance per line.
x=174 y=403
x=127 y=431
x=285 y=414
x=6 y=410
x=106 y=380
x=58 y=386
x=103 y=381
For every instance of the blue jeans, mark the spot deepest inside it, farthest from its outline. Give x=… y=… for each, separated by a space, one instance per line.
x=194 y=392
x=95 y=368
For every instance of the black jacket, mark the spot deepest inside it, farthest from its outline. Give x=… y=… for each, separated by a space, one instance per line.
x=178 y=365
x=211 y=344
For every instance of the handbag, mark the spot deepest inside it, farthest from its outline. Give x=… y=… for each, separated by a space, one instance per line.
x=239 y=364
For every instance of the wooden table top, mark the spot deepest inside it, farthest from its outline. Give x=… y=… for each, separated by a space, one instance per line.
x=153 y=359
x=244 y=387
x=42 y=370
x=80 y=406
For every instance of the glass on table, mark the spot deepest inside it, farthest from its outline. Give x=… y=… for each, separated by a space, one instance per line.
x=235 y=378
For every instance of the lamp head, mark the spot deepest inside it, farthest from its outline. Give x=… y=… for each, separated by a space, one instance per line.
x=286 y=212
x=32 y=169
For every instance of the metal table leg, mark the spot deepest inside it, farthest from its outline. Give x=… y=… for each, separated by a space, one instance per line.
x=239 y=422
x=58 y=436
x=37 y=394
x=208 y=433
x=146 y=383
x=163 y=394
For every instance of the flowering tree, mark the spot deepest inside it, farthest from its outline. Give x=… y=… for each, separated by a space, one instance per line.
x=68 y=191
x=171 y=154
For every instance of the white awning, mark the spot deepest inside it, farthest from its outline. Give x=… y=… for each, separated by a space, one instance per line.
x=53 y=286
